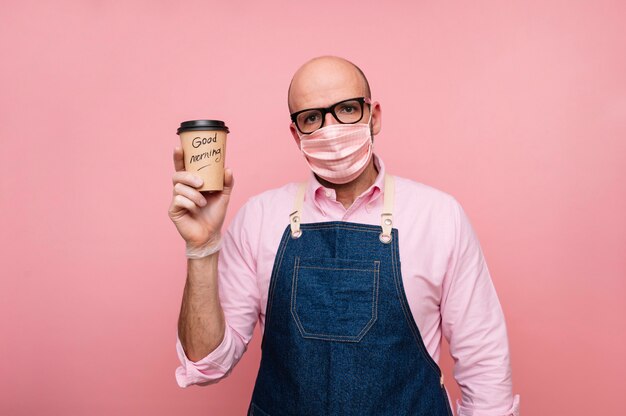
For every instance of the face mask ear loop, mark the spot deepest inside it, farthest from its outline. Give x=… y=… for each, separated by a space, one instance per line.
x=370 y=126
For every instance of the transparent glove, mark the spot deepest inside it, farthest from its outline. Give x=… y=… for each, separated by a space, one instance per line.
x=203 y=250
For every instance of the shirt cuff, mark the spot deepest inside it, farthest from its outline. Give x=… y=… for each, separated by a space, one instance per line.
x=466 y=411
x=208 y=370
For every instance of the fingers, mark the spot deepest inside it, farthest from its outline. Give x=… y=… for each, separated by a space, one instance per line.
x=190 y=193
x=179 y=163
x=229 y=180
x=187 y=178
x=186 y=197
x=181 y=203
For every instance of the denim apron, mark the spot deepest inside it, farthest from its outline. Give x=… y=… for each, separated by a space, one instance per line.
x=339 y=336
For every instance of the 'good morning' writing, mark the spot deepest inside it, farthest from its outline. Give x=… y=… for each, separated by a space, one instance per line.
x=201 y=141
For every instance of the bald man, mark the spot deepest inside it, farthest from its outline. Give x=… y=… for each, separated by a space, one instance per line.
x=354 y=276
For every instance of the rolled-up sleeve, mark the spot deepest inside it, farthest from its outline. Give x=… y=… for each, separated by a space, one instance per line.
x=239 y=298
x=214 y=366
x=474 y=325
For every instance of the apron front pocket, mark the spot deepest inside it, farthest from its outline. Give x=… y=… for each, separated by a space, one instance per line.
x=334 y=299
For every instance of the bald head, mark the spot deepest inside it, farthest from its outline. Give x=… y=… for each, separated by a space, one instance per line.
x=325 y=80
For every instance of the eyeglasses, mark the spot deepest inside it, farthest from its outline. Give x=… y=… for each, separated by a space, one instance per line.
x=348 y=111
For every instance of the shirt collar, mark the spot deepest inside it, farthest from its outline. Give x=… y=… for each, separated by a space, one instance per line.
x=317 y=191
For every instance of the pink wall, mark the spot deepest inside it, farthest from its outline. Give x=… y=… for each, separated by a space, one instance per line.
x=516 y=108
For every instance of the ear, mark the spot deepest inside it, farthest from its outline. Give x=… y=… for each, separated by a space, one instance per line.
x=294 y=133
x=376 y=118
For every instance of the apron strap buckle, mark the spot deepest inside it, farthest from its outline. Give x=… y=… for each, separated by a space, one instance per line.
x=294 y=220
x=387 y=224
x=295 y=217
x=386 y=220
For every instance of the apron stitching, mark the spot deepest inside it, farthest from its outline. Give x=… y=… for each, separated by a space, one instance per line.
x=337 y=268
x=375 y=294
x=308 y=226
x=362 y=230
x=374 y=303
x=294 y=290
x=259 y=409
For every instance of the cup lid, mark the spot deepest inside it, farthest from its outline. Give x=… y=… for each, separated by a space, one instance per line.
x=202 y=125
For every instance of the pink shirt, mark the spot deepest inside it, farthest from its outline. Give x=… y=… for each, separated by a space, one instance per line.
x=445 y=277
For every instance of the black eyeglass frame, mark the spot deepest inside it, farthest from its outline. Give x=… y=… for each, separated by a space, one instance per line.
x=330 y=109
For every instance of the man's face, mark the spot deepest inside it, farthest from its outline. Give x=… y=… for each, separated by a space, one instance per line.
x=325 y=82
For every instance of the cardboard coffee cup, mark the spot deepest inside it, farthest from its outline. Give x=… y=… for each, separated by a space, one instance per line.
x=204 y=150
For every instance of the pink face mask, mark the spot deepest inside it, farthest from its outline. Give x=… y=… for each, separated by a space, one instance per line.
x=338 y=153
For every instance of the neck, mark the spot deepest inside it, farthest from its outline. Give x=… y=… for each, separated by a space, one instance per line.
x=348 y=192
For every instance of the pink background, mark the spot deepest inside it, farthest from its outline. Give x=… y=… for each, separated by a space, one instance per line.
x=518 y=109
